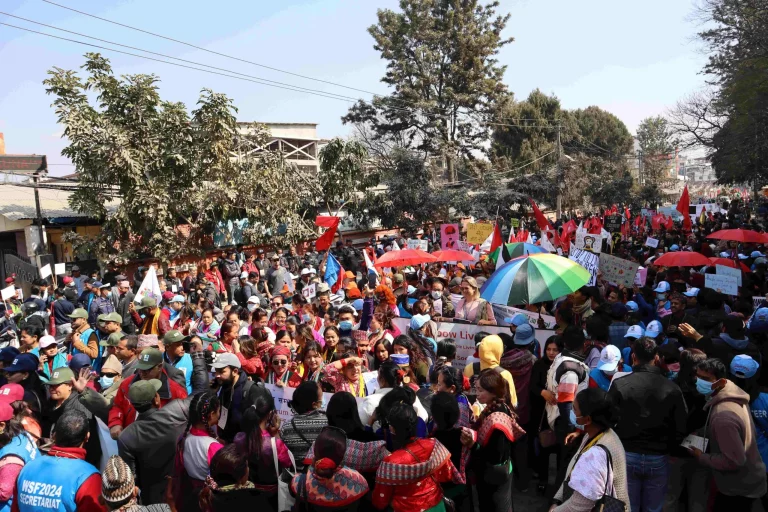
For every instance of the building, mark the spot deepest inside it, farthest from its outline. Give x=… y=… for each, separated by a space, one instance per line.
x=298 y=142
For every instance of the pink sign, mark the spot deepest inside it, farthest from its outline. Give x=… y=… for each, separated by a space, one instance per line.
x=449 y=236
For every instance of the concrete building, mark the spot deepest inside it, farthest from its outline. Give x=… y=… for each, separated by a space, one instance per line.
x=298 y=142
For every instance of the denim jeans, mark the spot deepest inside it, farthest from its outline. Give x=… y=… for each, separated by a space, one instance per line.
x=647 y=477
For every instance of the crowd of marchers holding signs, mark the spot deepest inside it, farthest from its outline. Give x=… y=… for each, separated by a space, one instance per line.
x=387 y=378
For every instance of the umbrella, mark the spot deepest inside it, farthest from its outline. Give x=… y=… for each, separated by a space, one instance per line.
x=515 y=250
x=682 y=259
x=404 y=258
x=453 y=255
x=739 y=235
x=534 y=278
x=728 y=263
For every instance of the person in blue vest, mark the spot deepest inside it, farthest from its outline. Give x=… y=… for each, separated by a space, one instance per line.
x=83 y=338
x=608 y=365
x=62 y=480
x=177 y=356
x=49 y=356
x=17 y=449
x=101 y=303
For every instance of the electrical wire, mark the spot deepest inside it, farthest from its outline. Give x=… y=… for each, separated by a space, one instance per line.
x=501 y=173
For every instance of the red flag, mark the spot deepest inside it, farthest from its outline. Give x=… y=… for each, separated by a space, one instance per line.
x=656 y=221
x=627 y=213
x=669 y=224
x=568 y=228
x=541 y=220
x=496 y=241
x=596 y=226
x=614 y=210
x=683 y=205
x=326 y=239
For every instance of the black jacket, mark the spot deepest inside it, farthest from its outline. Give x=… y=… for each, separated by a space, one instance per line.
x=232 y=400
x=653 y=411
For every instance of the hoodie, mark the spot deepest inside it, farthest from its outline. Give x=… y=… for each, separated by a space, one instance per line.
x=490 y=350
x=733 y=456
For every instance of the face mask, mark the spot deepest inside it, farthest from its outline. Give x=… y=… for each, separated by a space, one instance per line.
x=661 y=296
x=704 y=387
x=306 y=318
x=609 y=373
x=105 y=382
x=573 y=421
x=437 y=295
x=251 y=307
x=345 y=325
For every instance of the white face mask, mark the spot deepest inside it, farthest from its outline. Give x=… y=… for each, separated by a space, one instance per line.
x=252 y=307
x=437 y=295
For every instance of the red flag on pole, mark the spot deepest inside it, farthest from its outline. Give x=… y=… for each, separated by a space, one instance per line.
x=683 y=206
x=627 y=213
x=541 y=220
x=326 y=239
x=595 y=226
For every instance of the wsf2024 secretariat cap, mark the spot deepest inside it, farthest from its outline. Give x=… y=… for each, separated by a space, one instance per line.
x=149 y=358
x=142 y=392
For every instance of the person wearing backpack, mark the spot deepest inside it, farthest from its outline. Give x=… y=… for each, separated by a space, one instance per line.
x=490 y=351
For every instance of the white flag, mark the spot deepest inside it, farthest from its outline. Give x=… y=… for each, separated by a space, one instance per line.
x=486 y=246
x=511 y=234
x=545 y=243
x=395 y=247
x=369 y=263
x=149 y=287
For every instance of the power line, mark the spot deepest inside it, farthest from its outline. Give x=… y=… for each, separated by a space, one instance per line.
x=502 y=173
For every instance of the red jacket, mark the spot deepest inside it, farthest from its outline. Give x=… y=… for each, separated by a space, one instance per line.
x=122 y=412
x=214 y=276
x=249 y=266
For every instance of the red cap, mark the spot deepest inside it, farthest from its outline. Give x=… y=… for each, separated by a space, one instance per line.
x=9 y=280
x=66 y=280
x=11 y=393
x=168 y=296
x=6 y=412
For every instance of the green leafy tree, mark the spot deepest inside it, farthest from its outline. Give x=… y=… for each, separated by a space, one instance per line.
x=344 y=172
x=446 y=81
x=657 y=147
x=161 y=178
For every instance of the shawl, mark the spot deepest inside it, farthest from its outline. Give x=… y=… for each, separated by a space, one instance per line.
x=502 y=422
x=150 y=326
x=344 y=488
x=392 y=473
x=363 y=457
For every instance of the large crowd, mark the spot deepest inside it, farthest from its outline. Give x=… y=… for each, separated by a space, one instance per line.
x=646 y=398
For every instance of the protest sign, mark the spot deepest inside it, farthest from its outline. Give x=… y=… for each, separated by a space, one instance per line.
x=415 y=243
x=8 y=292
x=722 y=270
x=613 y=223
x=371 y=380
x=449 y=235
x=504 y=314
x=463 y=335
x=149 y=287
x=309 y=291
x=721 y=283
x=588 y=241
x=618 y=271
x=283 y=395
x=588 y=260
x=651 y=242
x=60 y=268
x=757 y=300
x=515 y=223
x=477 y=232
x=45 y=271
x=641 y=276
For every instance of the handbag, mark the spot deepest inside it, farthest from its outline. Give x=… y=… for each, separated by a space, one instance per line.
x=285 y=501
x=547 y=438
x=605 y=504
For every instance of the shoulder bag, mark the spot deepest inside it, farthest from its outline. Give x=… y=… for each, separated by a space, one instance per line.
x=285 y=501
x=605 y=504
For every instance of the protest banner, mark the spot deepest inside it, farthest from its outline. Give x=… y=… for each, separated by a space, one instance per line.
x=149 y=287
x=722 y=270
x=613 y=223
x=60 y=268
x=504 y=316
x=651 y=242
x=415 y=243
x=641 y=276
x=45 y=271
x=449 y=236
x=463 y=335
x=618 y=271
x=757 y=300
x=588 y=260
x=588 y=241
x=309 y=291
x=8 y=292
x=283 y=395
x=721 y=283
x=477 y=232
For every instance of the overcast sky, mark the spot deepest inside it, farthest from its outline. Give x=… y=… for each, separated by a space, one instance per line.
x=634 y=59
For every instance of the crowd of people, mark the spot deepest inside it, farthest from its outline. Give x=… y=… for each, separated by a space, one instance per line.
x=648 y=398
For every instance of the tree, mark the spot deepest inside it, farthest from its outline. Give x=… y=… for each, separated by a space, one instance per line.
x=446 y=81
x=657 y=148
x=176 y=175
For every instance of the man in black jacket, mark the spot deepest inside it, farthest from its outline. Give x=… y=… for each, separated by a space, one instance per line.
x=231 y=382
x=652 y=425
x=230 y=271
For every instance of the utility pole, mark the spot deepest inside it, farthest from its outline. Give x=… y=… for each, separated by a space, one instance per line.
x=39 y=215
x=559 y=174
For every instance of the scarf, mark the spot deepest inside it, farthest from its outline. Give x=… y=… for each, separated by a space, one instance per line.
x=392 y=473
x=517 y=361
x=582 y=312
x=150 y=325
x=363 y=457
x=345 y=487
x=502 y=422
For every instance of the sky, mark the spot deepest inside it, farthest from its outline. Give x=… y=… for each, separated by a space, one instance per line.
x=634 y=59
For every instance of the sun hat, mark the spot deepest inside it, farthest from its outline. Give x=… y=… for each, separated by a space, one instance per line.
x=525 y=334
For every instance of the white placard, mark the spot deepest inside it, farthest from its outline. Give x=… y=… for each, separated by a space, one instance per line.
x=371 y=380
x=651 y=242
x=60 y=268
x=9 y=292
x=45 y=271
x=588 y=260
x=589 y=241
x=722 y=270
x=722 y=284
x=309 y=291
x=415 y=243
x=284 y=395
x=504 y=314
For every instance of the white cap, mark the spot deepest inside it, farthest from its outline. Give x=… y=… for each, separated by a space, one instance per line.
x=244 y=275
x=609 y=358
x=693 y=292
x=305 y=272
x=47 y=341
x=634 y=331
x=253 y=299
x=662 y=288
x=312 y=270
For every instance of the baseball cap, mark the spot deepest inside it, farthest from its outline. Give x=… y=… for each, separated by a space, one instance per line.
x=78 y=313
x=11 y=393
x=79 y=361
x=693 y=292
x=725 y=254
x=358 y=305
x=113 y=317
x=674 y=247
x=101 y=318
x=167 y=296
x=149 y=358
x=47 y=341
x=354 y=293
x=6 y=412
x=323 y=288
x=743 y=256
x=224 y=360
x=97 y=284
x=9 y=280
x=609 y=358
x=744 y=366
x=760 y=261
x=243 y=275
x=759 y=321
x=147 y=302
x=618 y=309
x=23 y=363
x=518 y=320
x=305 y=272
x=60 y=375
x=274 y=257
x=8 y=354
x=632 y=306
x=757 y=254
x=662 y=288
x=142 y=392
x=178 y=298
x=253 y=300
x=173 y=336
x=399 y=278
x=113 y=340
x=104 y=286
x=525 y=334
x=654 y=329
x=350 y=275
x=635 y=332
x=418 y=321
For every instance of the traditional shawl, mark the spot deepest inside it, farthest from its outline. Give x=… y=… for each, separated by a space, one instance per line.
x=344 y=488
x=363 y=457
x=501 y=422
x=392 y=473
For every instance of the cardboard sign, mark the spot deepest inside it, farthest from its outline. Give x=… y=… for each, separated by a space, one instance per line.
x=478 y=232
x=60 y=268
x=588 y=241
x=651 y=242
x=722 y=270
x=515 y=223
x=10 y=291
x=45 y=271
x=285 y=394
x=641 y=276
x=415 y=243
x=618 y=271
x=721 y=283
x=613 y=223
x=309 y=291
x=588 y=260
x=449 y=236
x=504 y=316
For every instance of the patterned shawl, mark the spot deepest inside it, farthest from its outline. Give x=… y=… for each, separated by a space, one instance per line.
x=345 y=487
x=363 y=457
x=502 y=422
x=392 y=473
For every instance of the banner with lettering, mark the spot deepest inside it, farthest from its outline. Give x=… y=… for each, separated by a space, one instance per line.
x=504 y=316
x=285 y=394
x=588 y=260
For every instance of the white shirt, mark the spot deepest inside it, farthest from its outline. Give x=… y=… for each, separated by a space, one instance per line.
x=367 y=407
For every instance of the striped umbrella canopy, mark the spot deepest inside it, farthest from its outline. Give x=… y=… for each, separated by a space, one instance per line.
x=534 y=278
x=515 y=250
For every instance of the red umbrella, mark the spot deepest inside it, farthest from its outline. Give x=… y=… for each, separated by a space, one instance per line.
x=729 y=263
x=453 y=255
x=682 y=259
x=404 y=258
x=739 y=235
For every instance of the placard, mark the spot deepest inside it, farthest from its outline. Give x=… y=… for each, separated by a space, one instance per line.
x=504 y=314
x=721 y=283
x=515 y=223
x=45 y=271
x=449 y=236
x=589 y=241
x=9 y=292
x=588 y=260
x=371 y=380
x=722 y=270
x=309 y=291
x=641 y=276
x=613 y=223
x=651 y=242
x=60 y=268
x=285 y=394
x=415 y=243
x=477 y=232
x=618 y=271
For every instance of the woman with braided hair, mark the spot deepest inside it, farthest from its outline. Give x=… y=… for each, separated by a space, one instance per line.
x=195 y=449
x=227 y=488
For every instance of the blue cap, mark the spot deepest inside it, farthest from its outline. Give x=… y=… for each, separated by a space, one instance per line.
x=8 y=354
x=759 y=321
x=635 y=331
x=743 y=256
x=24 y=363
x=744 y=366
x=757 y=254
x=525 y=334
x=178 y=298
x=654 y=329
x=609 y=358
x=518 y=320
x=632 y=306
x=674 y=247
x=725 y=254
x=78 y=362
x=96 y=284
x=662 y=288
x=358 y=304
x=418 y=321
x=400 y=359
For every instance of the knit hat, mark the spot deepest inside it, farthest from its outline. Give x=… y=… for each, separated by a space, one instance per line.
x=112 y=363
x=147 y=340
x=116 y=480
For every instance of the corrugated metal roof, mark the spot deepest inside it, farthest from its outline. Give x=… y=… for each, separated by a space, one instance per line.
x=18 y=203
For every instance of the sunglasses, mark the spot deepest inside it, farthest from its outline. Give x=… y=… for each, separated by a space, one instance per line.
x=108 y=375
x=280 y=362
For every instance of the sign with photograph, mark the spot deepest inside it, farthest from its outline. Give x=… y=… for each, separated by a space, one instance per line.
x=449 y=236
x=588 y=241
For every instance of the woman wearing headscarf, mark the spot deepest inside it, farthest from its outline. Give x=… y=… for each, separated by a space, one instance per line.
x=279 y=373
